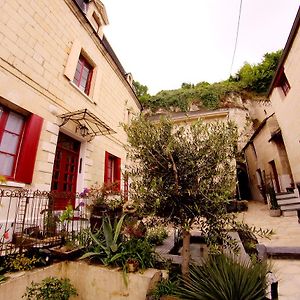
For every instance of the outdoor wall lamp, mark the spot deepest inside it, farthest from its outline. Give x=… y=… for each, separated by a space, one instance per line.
x=84 y=131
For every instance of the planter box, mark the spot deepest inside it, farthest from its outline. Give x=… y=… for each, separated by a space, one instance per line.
x=64 y=253
x=91 y=282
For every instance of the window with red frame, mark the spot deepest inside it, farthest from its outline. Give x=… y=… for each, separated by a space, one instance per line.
x=112 y=171
x=11 y=130
x=19 y=137
x=83 y=75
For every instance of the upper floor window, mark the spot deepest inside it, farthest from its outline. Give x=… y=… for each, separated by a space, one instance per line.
x=284 y=84
x=11 y=129
x=83 y=75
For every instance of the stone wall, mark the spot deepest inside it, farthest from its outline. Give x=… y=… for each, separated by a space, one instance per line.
x=38 y=41
x=91 y=282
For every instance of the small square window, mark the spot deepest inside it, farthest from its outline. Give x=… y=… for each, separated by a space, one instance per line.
x=83 y=75
x=283 y=82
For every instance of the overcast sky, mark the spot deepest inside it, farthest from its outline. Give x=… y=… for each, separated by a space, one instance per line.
x=164 y=43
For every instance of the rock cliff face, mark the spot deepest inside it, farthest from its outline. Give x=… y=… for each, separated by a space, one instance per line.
x=247 y=113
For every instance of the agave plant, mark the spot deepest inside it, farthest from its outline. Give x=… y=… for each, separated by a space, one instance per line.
x=225 y=278
x=108 y=248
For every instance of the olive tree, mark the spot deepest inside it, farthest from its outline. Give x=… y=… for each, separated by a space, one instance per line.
x=184 y=173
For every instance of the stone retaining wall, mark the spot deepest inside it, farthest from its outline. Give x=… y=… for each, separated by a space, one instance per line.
x=92 y=282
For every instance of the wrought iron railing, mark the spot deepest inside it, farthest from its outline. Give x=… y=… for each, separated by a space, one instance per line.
x=30 y=219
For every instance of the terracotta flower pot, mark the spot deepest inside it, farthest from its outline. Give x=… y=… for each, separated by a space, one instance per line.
x=132 y=265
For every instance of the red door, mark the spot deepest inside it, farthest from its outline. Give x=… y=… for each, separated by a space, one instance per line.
x=65 y=170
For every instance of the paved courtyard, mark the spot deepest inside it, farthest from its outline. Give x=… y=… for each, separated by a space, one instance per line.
x=286 y=233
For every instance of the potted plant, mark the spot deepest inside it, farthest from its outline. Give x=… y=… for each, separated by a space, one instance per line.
x=51 y=288
x=68 y=247
x=132 y=265
x=273 y=204
x=105 y=200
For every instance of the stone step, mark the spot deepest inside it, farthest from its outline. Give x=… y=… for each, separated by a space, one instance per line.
x=289 y=201
x=278 y=252
x=289 y=213
x=286 y=196
x=283 y=193
x=290 y=207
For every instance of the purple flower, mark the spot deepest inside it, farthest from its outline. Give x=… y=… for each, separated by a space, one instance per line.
x=84 y=193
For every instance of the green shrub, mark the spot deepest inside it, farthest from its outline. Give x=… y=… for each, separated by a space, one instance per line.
x=50 y=288
x=163 y=288
x=20 y=262
x=225 y=278
x=140 y=250
x=156 y=235
x=2 y=277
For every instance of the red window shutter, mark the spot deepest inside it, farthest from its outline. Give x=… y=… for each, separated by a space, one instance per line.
x=88 y=84
x=28 y=149
x=106 y=167
x=118 y=172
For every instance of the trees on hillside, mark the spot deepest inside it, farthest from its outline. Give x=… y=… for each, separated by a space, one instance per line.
x=141 y=92
x=254 y=79
x=258 y=77
x=184 y=174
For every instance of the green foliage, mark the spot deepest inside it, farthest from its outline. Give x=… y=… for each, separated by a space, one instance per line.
x=2 y=277
x=163 y=288
x=257 y=78
x=140 y=250
x=141 y=92
x=50 y=288
x=253 y=79
x=182 y=173
x=225 y=278
x=156 y=235
x=111 y=248
x=205 y=95
x=106 y=243
x=67 y=214
x=20 y=262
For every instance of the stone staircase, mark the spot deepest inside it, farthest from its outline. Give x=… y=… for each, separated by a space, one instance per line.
x=289 y=202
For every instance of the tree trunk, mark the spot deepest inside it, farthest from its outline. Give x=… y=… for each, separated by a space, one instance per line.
x=186 y=253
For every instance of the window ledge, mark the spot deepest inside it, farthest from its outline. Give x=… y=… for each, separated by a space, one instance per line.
x=82 y=93
x=13 y=184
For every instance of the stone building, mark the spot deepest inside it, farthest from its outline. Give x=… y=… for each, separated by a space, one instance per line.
x=239 y=115
x=284 y=96
x=272 y=152
x=63 y=96
x=267 y=159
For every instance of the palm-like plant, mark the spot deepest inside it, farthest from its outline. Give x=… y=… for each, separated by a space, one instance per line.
x=225 y=278
x=107 y=248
